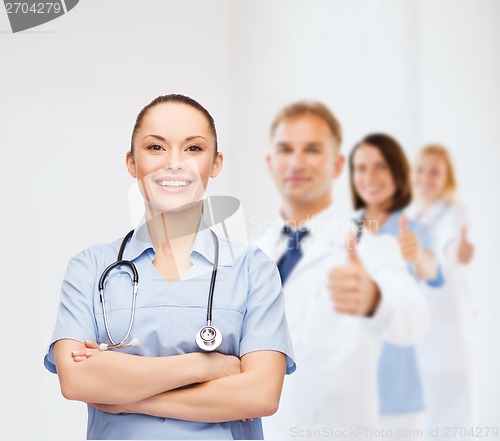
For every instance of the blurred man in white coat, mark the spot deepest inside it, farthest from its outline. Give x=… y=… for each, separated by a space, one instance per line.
x=345 y=292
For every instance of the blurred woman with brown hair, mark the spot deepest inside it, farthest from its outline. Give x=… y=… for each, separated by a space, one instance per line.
x=381 y=190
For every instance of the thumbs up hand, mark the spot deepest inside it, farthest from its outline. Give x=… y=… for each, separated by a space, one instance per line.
x=351 y=288
x=465 y=250
x=408 y=242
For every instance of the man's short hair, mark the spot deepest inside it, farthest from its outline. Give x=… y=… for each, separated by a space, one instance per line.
x=309 y=107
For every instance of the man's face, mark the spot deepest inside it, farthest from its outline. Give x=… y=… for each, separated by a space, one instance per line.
x=304 y=159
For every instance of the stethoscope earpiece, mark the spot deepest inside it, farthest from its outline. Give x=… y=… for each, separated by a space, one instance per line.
x=105 y=346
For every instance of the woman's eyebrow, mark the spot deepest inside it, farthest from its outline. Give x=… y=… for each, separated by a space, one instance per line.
x=156 y=136
x=193 y=137
x=161 y=138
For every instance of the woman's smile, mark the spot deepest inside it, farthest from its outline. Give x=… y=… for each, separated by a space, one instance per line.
x=173 y=184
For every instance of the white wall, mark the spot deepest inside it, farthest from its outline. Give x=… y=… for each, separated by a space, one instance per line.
x=68 y=101
x=70 y=90
x=459 y=104
x=358 y=57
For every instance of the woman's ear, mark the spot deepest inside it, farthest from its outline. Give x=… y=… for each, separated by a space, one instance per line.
x=129 y=161
x=217 y=165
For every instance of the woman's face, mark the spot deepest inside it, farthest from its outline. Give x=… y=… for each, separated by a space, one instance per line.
x=372 y=177
x=174 y=155
x=430 y=177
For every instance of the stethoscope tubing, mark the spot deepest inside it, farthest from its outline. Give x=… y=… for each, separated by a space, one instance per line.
x=135 y=279
x=202 y=343
x=212 y=280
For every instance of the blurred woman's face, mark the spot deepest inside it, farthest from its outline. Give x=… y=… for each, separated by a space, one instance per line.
x=372 y=177
x=174 y=155
x=430 y=177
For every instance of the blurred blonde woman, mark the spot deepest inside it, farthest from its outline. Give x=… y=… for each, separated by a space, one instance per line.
x=446 y=357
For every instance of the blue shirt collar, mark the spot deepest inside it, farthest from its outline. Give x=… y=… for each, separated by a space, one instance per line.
x=203 y=244
x=391 y=224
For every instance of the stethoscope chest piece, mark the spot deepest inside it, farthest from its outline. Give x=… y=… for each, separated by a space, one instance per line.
x=209 y=338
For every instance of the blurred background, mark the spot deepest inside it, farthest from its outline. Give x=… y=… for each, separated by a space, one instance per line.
x=70 y=90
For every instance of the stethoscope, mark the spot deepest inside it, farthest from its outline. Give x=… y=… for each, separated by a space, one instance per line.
x=208 y=338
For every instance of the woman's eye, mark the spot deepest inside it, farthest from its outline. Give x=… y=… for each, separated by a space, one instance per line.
x=155 y=147
x=194 y=148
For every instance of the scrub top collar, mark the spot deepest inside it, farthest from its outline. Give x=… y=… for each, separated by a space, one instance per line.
x=203 y=244
x=390 y=224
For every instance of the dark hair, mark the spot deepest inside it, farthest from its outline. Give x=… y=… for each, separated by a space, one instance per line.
x=398 y=165
x=308 y=107
x=173 y=98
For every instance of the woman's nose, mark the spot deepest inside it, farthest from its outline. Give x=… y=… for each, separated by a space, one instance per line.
x=174 y=162
x=176 y=166
x=371 y=176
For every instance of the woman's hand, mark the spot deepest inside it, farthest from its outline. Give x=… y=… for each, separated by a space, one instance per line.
x=219 y=365
x=408 y=242
x=92 y=349
x=258 y=390
x=465 y=250
x=215 y=365
x=423 y=262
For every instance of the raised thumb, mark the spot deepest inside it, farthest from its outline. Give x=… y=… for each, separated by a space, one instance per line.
x=352 y=253
x=403 y=224
x=463 y=233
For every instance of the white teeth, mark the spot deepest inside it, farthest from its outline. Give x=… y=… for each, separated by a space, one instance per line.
x=173 y=183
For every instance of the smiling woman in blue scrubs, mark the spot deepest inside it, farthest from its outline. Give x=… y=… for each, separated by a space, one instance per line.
x=166 y=387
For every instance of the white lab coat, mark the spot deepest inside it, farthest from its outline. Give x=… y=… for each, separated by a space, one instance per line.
x=446 y=357
x=335 y=385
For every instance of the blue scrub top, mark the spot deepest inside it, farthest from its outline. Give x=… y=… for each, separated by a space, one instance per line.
x=399 y=385
x=248 y=308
